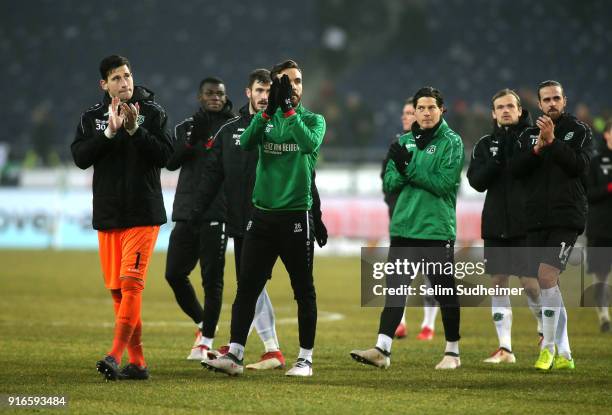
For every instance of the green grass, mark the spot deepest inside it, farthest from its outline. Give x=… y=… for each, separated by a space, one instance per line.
x=54 y=325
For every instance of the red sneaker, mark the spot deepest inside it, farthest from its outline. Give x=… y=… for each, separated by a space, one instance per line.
x=425 y=334
x=269 y=360
x=400 y=331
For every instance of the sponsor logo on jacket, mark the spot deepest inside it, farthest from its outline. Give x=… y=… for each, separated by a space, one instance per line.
x=279 y=148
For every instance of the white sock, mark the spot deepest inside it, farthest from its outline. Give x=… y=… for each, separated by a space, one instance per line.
x=200 y=325
x=429 y=316
x=502 y=318
x=603 y=314
x=384 y=342
x=561 y=337
x=536 y=310
x=271 y=345
x=452 y=347
x=305 y=354
x=404 y=318
x=237 y=350
x=551 y=308
x=601 y=298
x=206 y=341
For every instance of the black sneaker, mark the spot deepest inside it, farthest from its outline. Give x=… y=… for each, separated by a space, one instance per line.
x=605 y=327
x=108 y=367
x=133 y=372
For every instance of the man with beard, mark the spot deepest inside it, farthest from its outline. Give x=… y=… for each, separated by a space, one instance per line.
x=430 y=307
x=233 y=169
x=553 y=160
x=503 y=224
x=204 y=238
x=426 y=168
x=287 y=137
x=124 y=138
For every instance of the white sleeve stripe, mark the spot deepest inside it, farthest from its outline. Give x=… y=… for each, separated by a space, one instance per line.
x=231 y=121
x=476 y=145
x=179 y=124
x=94 y=108
x=154 y=105
x=583 y=125
x=453 y=143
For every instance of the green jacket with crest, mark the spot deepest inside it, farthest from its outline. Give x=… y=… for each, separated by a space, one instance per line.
x=426 y=205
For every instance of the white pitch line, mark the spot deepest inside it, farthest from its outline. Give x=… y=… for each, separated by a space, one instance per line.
x=323 y=317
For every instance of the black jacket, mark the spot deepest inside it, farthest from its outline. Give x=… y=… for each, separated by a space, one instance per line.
x=126 y=185
x=503 y=215
x=234 y=169
x=190 y=154
x=599 y=223
x=555 y=180
x=389 y=197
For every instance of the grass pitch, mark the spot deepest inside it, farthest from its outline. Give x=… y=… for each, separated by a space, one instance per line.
x=56 y=321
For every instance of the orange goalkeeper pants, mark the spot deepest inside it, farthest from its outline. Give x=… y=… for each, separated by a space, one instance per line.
x=125 y=255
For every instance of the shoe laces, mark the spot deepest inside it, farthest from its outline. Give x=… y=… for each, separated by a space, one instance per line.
x=302 y=363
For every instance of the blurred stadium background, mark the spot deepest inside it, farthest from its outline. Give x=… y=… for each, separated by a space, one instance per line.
x=360 y=63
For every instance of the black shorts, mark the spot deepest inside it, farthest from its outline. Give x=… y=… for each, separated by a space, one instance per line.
x=599 y=255
x=506 y=256
x=549 y=246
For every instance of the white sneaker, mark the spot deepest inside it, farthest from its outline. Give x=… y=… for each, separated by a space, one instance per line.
x=501 y=355
x=269 y=360
x=198 y=351
x=375 y=357
x=228 y=364
x=302 y=367
x=449 y=362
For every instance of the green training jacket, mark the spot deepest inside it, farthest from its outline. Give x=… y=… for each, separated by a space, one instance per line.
x=288 y=146
x=425 y=208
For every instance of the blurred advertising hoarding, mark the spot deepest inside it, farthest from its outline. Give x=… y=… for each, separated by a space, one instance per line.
x=47 y=218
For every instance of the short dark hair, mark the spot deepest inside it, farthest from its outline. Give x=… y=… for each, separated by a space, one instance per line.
x=112 y=62
x=608 y=126
x=409 y=101
x=503 y=93
x=428 y=91
x=550 y=82
x=210 y=80
x=279 y=67
x=259 y=75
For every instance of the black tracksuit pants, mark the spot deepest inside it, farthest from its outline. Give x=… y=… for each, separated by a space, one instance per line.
x=186 y=247
x=417 y=250
x=269 y=235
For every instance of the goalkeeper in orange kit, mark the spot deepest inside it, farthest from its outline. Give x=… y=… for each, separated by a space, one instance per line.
x=124 y=138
